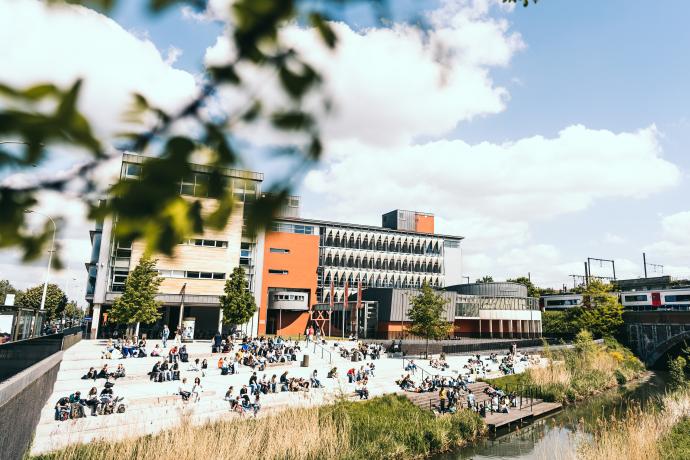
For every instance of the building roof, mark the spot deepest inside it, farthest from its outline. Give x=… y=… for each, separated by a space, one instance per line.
x=239 y=173
x=366 y=227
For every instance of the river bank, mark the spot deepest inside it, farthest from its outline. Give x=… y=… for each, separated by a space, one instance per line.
x=560 y=436
x=572 y=375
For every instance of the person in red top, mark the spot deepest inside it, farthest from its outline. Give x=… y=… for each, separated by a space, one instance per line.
x=351 y=375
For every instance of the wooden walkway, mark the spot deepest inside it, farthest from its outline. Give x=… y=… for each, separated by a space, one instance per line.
x=526 y=412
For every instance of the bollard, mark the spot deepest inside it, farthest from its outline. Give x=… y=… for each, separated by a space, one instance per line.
x=305 y=361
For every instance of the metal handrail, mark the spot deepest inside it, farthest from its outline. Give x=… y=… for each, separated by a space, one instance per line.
x=418 y=367
x=330 y=355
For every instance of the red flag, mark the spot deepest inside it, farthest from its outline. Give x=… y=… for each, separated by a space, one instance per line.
x=345 y=304
x=330 y=301
x=359 y=295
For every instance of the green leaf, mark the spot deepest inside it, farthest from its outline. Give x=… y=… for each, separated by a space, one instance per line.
x=324 y=29
x=292 y=120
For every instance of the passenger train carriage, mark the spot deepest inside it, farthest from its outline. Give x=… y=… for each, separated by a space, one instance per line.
x=662 y=299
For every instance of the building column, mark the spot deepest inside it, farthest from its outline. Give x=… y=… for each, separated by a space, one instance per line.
x=500 y=328
x=220 y=320
x=539 y=329
x=519 y=328
x=491 y=329
x=528 y=323
x=480 y=328
x=510 y=329
x=95 y=320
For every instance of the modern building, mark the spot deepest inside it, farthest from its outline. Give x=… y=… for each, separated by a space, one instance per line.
x=300 y=270
x=192 y=279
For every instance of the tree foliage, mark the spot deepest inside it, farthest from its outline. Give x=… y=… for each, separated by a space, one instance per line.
x=6 y=288
x=238 y=301
x=72 y=311
x=532 y=290
x=56 y=300
x=485 y=279
x=428 y=315
x=676 y=372
x=138 y=304
x=601 y=313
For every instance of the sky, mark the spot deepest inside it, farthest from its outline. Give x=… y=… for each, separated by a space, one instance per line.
x=543 y=135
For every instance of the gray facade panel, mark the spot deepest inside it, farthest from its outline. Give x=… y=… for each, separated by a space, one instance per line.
x=504 y=289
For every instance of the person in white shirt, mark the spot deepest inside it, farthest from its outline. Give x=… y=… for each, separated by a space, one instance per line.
x=184 y=390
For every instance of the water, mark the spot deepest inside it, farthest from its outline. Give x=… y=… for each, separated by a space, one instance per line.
x=556 y=437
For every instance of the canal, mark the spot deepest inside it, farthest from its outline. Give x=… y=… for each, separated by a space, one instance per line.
x=556 y=437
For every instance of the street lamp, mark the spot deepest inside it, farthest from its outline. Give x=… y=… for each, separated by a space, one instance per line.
x=50 y=256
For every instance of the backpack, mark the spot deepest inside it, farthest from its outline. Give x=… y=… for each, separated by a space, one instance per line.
x=121 y=409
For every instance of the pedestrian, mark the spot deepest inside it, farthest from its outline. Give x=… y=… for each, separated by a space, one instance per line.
x=164 y=335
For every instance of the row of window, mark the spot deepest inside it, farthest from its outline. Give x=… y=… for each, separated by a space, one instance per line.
x=277 y=271
x=385 y=264
x=635 y=298
x=191 y=274
x=289 y=297
x=208 y=243
x=279 y=251
x=432 y=248
x=562 y=302
x=292 y=228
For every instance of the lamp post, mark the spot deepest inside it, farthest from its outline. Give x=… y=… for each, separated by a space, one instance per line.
x=50 y=255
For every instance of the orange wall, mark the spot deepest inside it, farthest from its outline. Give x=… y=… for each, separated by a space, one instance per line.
x=466 y=325
x=424 y=223
x=301 y=263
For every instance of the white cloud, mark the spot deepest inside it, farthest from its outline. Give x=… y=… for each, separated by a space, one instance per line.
x=62 y=43
x=390 y=85
x=528 y=179
x=612 y=238
x=674 y=243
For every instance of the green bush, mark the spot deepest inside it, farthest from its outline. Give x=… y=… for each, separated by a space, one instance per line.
x=676 y=444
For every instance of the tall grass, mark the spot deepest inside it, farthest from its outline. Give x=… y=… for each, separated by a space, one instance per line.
x=639 y=433
x=386 y=427
x=575 y=374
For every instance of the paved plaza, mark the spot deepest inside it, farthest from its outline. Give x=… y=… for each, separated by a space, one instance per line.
x=154 y=406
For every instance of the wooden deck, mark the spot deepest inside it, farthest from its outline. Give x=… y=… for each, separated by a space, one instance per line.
x=526 y=412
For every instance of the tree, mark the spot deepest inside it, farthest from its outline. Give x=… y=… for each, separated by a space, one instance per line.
x=532 y=290
x=238 y=301
x=73 y=312
x=600 y=313
x=6 y=288
x=55 y=300
x=676 y=373
x=138 y=304
x=428 y=315
x=485 y=279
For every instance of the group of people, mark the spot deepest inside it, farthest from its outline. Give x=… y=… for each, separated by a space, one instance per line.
x=360 y=351
x=104 y=373
x=103 y=403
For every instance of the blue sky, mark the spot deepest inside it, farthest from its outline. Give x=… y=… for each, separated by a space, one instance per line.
x=614 y=68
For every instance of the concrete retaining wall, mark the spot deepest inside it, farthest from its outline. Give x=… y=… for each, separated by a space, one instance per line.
x=21 y=399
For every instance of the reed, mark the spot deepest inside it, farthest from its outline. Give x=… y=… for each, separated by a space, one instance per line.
x=638 y=434
x=386 y=427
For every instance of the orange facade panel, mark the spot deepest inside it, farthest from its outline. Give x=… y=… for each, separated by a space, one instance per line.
x=291 y=261
x=424 y=223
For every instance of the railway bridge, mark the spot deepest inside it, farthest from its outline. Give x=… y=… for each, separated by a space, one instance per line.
x=655 y=334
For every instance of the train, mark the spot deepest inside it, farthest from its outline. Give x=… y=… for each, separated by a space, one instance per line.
x=654 y=299
x=658 y=299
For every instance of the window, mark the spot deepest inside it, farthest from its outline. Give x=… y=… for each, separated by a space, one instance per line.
x=195 y=275
x=637 y=298
x=207 y=243
x=277 y=272
x=133 y=170
x=677 y=298
x=561 y=302
x=280 y=251
x=293 y=228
